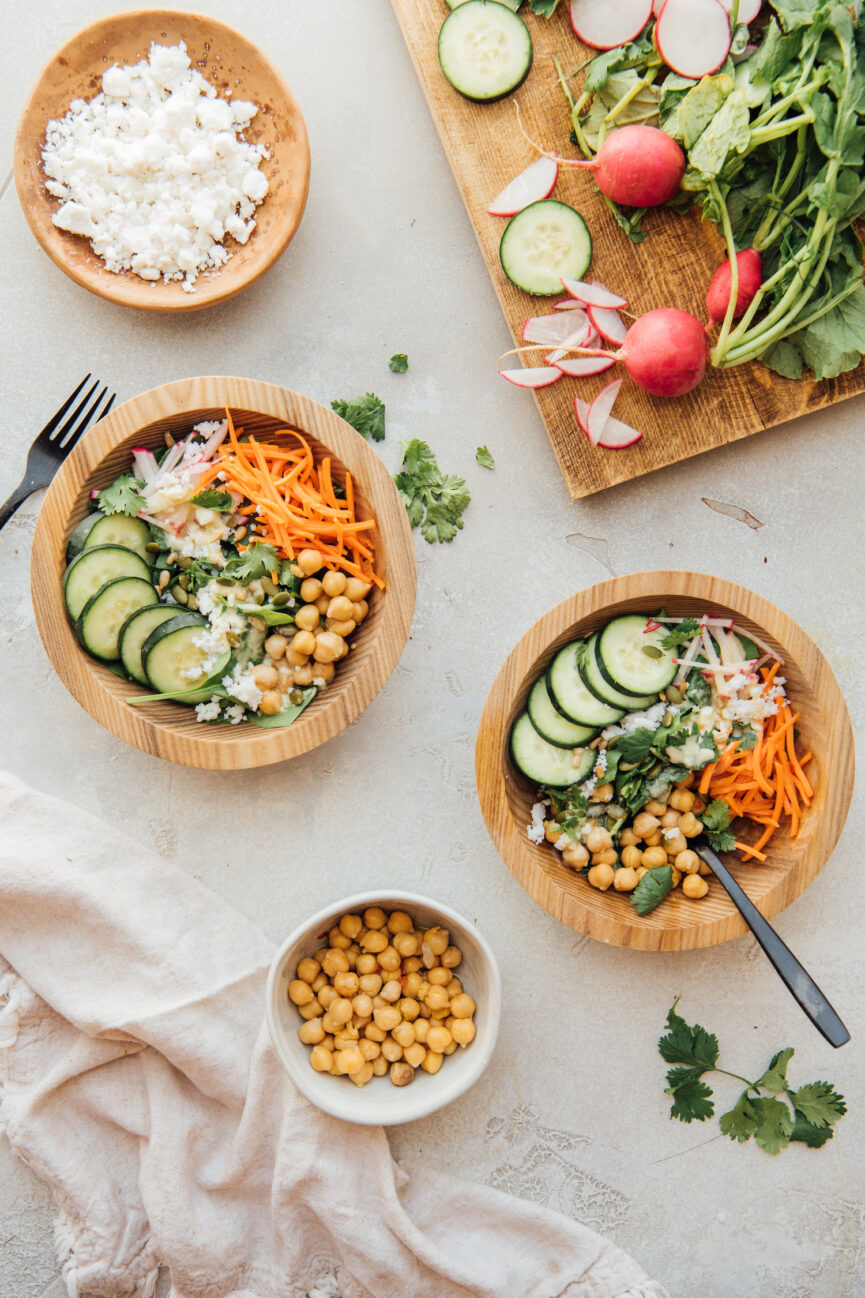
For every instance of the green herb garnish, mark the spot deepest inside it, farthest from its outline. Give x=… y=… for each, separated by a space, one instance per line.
x=398 y=362
x=122 y=497
x=484 y=458
x=652 y=889
x=717 y=817
x=434 y=501
x=210 y=498
x=365 y=414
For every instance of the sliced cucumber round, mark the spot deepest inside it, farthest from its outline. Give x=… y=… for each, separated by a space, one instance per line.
x=549 y=722
x=570 y=696
x=119 y=529
x=631 y=658
x=597 y=683
x=544 y=763
x=93 y=569
x=98 y=628
x=543 y=244
x=484 y=49
x=173 y=662
x=135 y=631
x=75 y=544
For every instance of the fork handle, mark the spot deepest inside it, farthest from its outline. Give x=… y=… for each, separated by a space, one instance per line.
x=20 y=494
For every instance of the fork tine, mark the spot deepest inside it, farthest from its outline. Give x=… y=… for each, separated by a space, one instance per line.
x=92 y=417
x=60 y=433
x=55 y=420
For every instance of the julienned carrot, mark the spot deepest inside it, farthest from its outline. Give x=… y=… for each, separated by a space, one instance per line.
x=293 y=505
x=767 y=783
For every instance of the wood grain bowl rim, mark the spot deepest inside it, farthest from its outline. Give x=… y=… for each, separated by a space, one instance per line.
x=678 y=924
x=73 y=253
x=379 y=642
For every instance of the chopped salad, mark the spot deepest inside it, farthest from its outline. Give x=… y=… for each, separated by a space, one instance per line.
x=225 y=572
x=652 y=732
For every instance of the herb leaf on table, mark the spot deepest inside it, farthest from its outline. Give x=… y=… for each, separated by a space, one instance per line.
x=365 y=414
x=484 y=458
x=398 y=362
x=434 y=501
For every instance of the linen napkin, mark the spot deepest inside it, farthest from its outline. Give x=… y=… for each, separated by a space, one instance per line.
x=138 y=1081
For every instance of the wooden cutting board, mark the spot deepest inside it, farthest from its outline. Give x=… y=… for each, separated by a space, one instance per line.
x=671 y=268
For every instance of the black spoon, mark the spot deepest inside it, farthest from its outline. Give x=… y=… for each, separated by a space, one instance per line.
x=793 y=975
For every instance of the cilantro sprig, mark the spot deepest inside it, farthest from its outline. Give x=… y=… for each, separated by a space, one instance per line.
x=434 y=501
x=717 y=818
x=769 y=1109
x=211 y=498
x=123 y=496
x=365 y=414
x=681 y=634
x=398 y=363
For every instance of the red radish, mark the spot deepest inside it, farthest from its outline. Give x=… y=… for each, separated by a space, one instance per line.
x=581 y=409
x=539 y=377
x=665 y=351
x=530 y=186
x=616 y=435
x=552 y=330
x=594 y=295
x=608 y=324
x=748 y=9
x=569 y=304
x=693 y=36
x=582 y=366
x=605 y=24
x=601 y=409
x=640 y=166
x=750 y=266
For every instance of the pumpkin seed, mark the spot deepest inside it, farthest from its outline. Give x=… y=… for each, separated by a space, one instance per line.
x=296 y=697
x=152 y=547
x=258 y=599
x=672 y=695
x=268 y=585
x=668 y=717
x=233 y=638
x=192 y=603
x=280 y=600
x=179 y=595
x=654 y=769
x=652 y=651
x=183 y=582
x=628 y=766
x=185 y=562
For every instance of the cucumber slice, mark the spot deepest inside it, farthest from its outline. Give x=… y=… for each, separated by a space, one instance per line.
x=631 y=658
x=543 y=244
x=75 y=544
x=509 y=4
x=135 y=631
x=544 y=763
x=119 y=529
x=98 y=628
x=173 y=663
x=484 y=49
x=549 y=722
x=597 y=684
x=93 y=569
x=570 y=696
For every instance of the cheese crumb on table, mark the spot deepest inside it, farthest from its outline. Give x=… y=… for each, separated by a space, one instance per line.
x=154 y=170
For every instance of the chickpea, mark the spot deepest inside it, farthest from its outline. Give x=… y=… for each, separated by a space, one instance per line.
x=359 y=610
x=286 y=678
x=413 y=984
x=608 y=857
x=274 y=645
x=265 y=676
x=318 y=982
x=309 y=561
x=367 y=964
x=437 y=998
x=345 y=1038
x=357 y=589
x=340 y=1010
x=598 y=839
x=688 y=862
x=308 y=617
x=351 y=926
x=451 y=957
x=645 y=824
x=439 y=977
x=463 y=1031
x=628 y=838
x=704 y=868
x=373 y=1032
x=334 y=961
x=391 y=1050
x=653 y=857
x=327 y=647
x=432 y=1062
x=339 y=609
x=321 y=603
x=324 y=672
x=379 y=1066
x=409 y=1008
x=329 y=1024
x=362 y=1005
x=575 y=855
x=677 y=877
x=655 y=807
x=327 y=995
x=399 y=921
x=363 y=1075
x=350 y=1060
x=414 y=1054
x=374 y=941
x=300 y=992
x=670 y=819
x=270 y=704
x=294 y=659
x=389 y=959
x=421 y=1028
x=438 y=1039
x=310 y=590
x=369 y=1049
x=412 y=964
x=338 y=939
x=601 y=876
x=346 y=984
x=308 y=970
x=437 y=939
x=602 y=793
x=401 y=1073
x=343 y=628
x=391 y=992
x=462 y=1006
x=311 y=1010
x=404 y=1034
x=320 y=1059
x=386 y=1017
x=641 y=870
x=334 y=583
x=406 y=944
x=689 y=825
x=681 y=799
x=552 y=831
x=303 y=643
x=311 y=1033
x=454 y=988
x=654 y=840
x=631 y=857
x=673 y=846
x=625 y=880
x=694 y=886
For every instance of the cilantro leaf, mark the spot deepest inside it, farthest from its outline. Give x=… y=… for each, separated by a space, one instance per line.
x=813 y=1137
x=682 y=634
x=398 y=362
x=651 y=891
x=365 y=414
x=122 y=497
x=269 y=615
x=774 y=1124
x=210 y=498
x=434 y=501
x=546 y=8
x=775 y=1076
x=256 y=561
x=484 y=458
x=691 y=1098
x=819 y=1103
x=740 y=1122
x=635 y=745
x=716 y=818
x=684 y=1044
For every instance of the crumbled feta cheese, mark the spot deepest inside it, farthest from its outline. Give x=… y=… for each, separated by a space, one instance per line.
x=241 y=686
x=535 y=830
x=208 y=711
x=648 y=720
x=235 y=714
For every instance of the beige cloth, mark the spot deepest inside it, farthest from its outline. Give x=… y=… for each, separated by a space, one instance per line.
x=138 y=1082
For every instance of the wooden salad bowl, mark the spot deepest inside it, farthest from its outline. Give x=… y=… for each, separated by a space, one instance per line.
x=234 y=66
x=170 y=730
x=678 y=924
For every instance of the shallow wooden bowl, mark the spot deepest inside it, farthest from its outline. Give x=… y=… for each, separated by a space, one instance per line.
x=234 y=66
x=170 y=730
x=678 y=924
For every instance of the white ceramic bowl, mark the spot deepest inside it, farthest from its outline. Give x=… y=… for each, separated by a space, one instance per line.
x=380 y=1103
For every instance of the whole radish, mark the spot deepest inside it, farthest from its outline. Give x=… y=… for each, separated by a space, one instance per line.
x=638 y=166
x=750 y=268
x=665 y=352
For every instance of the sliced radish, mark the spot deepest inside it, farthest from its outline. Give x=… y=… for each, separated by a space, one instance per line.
x=530 y=186
x=600 y=410
x=581 y=409
x=617 y=435
x=569 y=304
x=552 y=330
x=748 y=9
x=608 y=324
x=594 y=294
x=582 y=366
x=693 y=36
x=605 y=24
x=539 y=377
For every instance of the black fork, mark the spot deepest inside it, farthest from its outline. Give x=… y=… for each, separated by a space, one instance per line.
x=56 y=441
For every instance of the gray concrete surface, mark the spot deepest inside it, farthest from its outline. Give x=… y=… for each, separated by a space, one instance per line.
x=572 y=1110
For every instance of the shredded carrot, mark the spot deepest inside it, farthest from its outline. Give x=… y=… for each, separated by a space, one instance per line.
x=293 y=503
x=767 y=784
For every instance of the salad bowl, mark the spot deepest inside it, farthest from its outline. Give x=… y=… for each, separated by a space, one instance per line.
x=506 y=796
x=169 y=729
x=234 y=66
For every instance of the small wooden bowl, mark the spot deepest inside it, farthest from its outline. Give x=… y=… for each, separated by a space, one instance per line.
x=678 y=924
x=234 y=66
x=170 y=730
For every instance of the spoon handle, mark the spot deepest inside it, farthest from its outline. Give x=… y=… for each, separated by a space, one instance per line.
x=794 y=976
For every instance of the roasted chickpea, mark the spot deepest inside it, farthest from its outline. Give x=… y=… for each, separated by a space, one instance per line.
x=308 y=617
x=334 y=583
x=357 y=589
x=631 y=857
x=401 y=1073
x=645 y=824
x=309 y=561
x=303 y=642
x=694 y=886
x=689 y=825
x=275 y=645
x=653 y=857
x=308 y=969
x=601 y=876
x=625 y=880
x=270 y=704
x=575 y=855
x=681 y=799
x=688 y=862
x=328 y=647
x=310 y=590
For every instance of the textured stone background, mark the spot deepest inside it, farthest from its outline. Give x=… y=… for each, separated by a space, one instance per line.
x=571 y=1111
